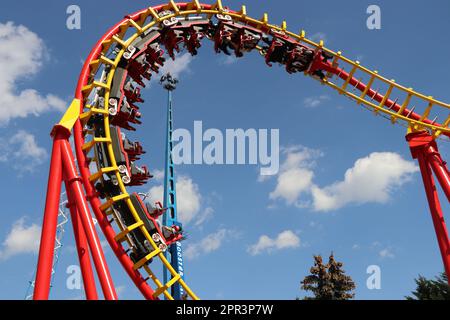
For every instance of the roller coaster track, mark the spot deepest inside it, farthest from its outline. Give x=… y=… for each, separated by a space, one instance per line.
x=420 y=113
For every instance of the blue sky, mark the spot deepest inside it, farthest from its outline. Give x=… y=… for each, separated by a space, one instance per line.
x=248 y=239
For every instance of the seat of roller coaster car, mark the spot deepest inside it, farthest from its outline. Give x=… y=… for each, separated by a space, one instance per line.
x=172 y=234
x=155 y=211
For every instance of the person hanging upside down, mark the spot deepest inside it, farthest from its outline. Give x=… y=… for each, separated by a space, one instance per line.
x=171 y=233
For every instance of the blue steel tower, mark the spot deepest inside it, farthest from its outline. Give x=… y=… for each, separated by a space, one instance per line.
x=175 y=253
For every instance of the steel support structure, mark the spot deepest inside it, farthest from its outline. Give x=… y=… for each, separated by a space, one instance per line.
x=170 y=217
x=63 y=169
x=424 y=149
x=83 y=252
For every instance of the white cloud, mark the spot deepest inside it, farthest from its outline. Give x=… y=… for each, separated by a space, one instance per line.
x=22 y=54
x=21 y=239
x=296 y=176
x=314 y=102
x=156 y=193
x=386 y=253
x=158 y=175
x=178 y=66
x=208 y=244
x=22 y=152
x=284 y=240
x=291 y=184
x=189 y=200
x=371 y=179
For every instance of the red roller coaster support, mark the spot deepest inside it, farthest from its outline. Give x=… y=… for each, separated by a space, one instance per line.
x=83 y=252
x=47 y=244
x=63 y=165
x=425 y=150
x=76 y=192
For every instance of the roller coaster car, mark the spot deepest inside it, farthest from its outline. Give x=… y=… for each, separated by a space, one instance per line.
x=299 y=59
x=242 y=39
x=171 y=39
x=148 y=214
x=123 y=114
x=138 y=69
x=320 y=64
x=285 y=50
x=154 y=56
x=131 y=174
x=132 y=94
x=122 y=87
x=133 y=149
x=278 y=47
x=139 y=175
x=107 y=188
x=140 y=45
x=123 y=111
x=189 y=32
x=138 y=242
x=235 y=36
x=163 y=237
x=194 y=32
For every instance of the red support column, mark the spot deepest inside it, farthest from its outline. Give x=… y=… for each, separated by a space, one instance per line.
x=439 y=168
x=82 y=249
x=107 y=229
x=75 y=188
x=48 y=233
x=424 y=149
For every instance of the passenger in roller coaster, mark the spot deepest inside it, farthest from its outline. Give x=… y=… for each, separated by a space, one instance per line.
x=170 y=233
x=173 y=232
x=132 y=93
x=163 y=236
x=296 y=57
x=228 y=34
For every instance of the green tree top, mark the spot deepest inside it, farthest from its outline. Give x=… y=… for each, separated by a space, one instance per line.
x=431 y=289
x=328 y=281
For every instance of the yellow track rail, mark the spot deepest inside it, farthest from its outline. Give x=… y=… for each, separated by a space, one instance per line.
x=150 y=18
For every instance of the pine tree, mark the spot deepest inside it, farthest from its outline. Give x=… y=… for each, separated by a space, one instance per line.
x=328 y=281
x=429 y=289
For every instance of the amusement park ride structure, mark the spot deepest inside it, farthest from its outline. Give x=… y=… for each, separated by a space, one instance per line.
x=105 y=102
x=175 y=252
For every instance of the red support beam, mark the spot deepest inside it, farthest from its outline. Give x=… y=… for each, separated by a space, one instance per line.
x=424 y=149
x=83 y=250
x=48 y=233
x=439 y=168
x=75 y=189
x=102 y=219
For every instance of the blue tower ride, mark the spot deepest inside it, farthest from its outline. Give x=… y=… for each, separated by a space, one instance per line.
x=174 y=254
